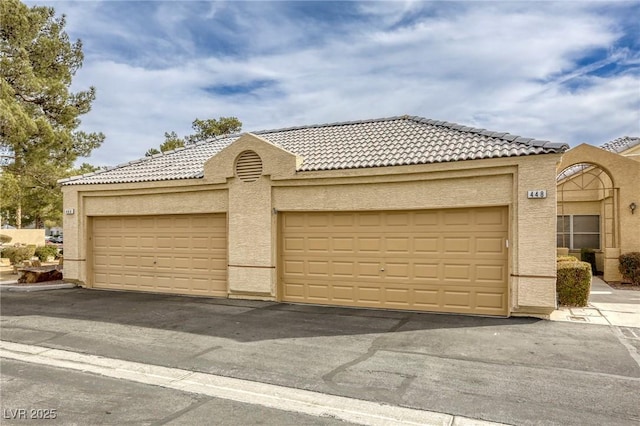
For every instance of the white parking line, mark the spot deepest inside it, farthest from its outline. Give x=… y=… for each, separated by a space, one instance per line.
x=245 y=391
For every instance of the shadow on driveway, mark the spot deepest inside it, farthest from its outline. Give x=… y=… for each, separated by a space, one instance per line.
x=240 y=320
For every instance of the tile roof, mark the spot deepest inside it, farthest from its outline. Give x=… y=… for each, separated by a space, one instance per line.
x=621 y=144
x=382 y=142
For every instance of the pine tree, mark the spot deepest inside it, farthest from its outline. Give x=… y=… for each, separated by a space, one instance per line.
x=39 y=115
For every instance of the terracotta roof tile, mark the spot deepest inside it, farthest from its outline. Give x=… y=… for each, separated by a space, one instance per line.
x=382 y=142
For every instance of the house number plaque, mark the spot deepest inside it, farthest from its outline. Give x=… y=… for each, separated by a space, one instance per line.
x=537 y=193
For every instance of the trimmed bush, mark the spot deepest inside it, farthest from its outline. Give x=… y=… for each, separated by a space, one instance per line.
x=4 y=239
x=630 y=266
x=573 y=283
x=566 y=259
x=17 y=255
x=45 y=252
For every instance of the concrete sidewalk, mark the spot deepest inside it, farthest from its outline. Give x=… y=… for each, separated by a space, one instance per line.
x=607 y=306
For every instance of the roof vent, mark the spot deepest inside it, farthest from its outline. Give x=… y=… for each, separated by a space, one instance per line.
x=248 y=166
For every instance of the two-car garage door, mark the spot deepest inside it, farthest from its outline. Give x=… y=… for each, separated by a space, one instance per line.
x=182 y=254
x=451 y=260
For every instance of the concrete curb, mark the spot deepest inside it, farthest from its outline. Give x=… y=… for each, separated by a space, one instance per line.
x=14 y=286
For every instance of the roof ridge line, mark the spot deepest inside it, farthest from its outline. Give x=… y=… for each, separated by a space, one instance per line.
x=334 y=124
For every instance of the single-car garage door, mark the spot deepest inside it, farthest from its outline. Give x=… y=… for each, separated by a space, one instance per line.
x=452 y=260
x=182 y=254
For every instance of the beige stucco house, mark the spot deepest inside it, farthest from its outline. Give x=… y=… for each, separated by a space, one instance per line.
x=396 y=213
x=599 y=201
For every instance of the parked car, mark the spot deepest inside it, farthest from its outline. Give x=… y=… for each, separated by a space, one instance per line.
x=56 y=239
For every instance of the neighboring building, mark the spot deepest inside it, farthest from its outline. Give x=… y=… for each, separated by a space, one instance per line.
x=396 y=213
x=599 y=201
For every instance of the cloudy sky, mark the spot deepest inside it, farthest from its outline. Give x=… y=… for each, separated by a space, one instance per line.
x=563 y=71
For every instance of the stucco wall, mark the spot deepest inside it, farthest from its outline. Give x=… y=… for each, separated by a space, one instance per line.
x=250 y=238
x=25 y=236
x=253 y=207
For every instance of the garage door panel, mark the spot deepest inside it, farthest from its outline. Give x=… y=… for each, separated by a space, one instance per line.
x=343 y=293
x=294 y=267
x=318 y=221
x=130 y=280
x=397 y=270
x=397 y=296
x=368 y=270
x=201 y=243
x=368 y=220
x=426 y=271
x=457 y=218
x=144 y=243
x=425 y=245
x=317 y=291
x=318 y=269
x=457 y=245
x=369 y=244
x=397 y=219
x=490 y=245
x=442 y=260
x=294 y=291
x=427 y=219
x=457 y=299
x=216 y=243
x=493 y=273
x=129 y=242
x=292 y=245
x=346 y=220
x=426 y=298
x=453 y=272
x=199 y=285
x=490 y=300
x=203 y=264
x=173 y=254
x=102 y=277
x=319 y=244
x=343 y=244
x=398 y=245
x=343 y=269
x=369 y=294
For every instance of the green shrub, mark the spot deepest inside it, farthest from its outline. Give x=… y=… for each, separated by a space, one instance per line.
x=573 y=283
x=4 y=239
x=566 y=259
x=630 y=266
x=44 y=252
x=17 y=255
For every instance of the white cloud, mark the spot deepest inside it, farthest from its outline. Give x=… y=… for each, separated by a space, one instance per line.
x=503 y=66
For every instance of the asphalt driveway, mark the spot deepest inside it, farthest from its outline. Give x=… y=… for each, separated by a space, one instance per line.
x=515 y=371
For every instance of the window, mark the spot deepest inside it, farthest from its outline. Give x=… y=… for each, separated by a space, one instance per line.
x=578 y=231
